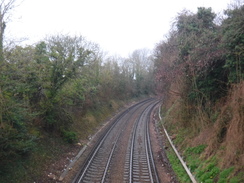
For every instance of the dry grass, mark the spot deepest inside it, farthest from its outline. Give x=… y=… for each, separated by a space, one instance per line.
x=227 y=138
x=235 y=128
x=223 y=132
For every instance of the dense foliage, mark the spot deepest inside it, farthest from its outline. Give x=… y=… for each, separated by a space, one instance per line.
x=42 y=85
x=201 y=59
x=199 y=71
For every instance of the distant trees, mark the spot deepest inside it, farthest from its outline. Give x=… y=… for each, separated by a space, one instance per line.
x=128 y=77
x=142 y=70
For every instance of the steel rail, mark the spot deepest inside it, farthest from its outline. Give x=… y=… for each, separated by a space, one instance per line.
x=149 y=145
x=176 y=152
x=98 y=147
x=131 y=152
x=147 y=149
x=93 y=153
x=110 y=157
x=147 y=111
x=132 y=147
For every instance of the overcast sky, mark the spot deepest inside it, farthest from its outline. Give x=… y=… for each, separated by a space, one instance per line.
x=118 y=26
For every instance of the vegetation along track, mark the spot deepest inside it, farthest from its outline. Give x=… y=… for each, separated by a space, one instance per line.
x=123 y=153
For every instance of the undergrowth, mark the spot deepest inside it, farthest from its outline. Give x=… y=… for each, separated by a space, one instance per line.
x=211 y=138
x=32 y=167
x=50 y=148
x=204 y=170
x=177 y=167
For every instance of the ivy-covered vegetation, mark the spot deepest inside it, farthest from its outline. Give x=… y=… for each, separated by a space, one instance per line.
x=199 y=71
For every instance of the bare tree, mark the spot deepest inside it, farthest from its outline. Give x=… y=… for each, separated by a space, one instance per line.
x=5 y=7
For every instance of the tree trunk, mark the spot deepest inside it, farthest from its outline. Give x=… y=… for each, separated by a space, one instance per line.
x=2 y=27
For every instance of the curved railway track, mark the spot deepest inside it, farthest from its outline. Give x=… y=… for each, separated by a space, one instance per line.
x=138 y=160
x=140 y=165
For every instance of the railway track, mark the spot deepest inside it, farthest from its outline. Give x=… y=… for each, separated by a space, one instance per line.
x=107 y=154
x=140 y=165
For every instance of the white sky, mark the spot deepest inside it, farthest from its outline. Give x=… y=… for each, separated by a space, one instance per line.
x=118 y=26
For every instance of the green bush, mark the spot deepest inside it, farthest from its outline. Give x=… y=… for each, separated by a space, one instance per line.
x=14 y=145
x=69 y=136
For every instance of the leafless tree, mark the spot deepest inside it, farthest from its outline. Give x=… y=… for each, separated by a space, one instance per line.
x=5 y=7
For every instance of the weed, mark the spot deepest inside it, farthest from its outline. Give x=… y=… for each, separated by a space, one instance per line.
x=237 y=179
x=180 y=136
x=195 y=150
x=224 y=174
x=69 y=136
x=177 y=167
x=192 y=156
x=193 y=164
x=208 y=173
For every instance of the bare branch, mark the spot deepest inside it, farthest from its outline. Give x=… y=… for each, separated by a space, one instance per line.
x=5 y=8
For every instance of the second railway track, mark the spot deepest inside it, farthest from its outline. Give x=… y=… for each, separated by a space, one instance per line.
x=128 y=134
x=139 y=165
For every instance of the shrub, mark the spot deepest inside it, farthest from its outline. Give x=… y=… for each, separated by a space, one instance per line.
x=69 y=136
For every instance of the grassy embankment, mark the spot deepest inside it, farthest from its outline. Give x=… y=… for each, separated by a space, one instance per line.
x=51 y=148
x=213 y=152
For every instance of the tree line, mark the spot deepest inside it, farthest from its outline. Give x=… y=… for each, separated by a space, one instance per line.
x=42 y=84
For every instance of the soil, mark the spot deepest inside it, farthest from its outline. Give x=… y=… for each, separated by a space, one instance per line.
x=55 y=169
